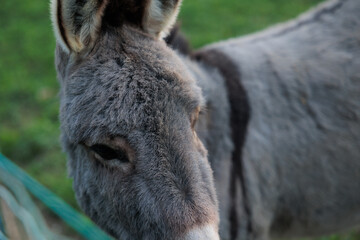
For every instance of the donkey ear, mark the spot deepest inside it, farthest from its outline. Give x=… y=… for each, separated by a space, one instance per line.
x=160 y=16
x=77 y=22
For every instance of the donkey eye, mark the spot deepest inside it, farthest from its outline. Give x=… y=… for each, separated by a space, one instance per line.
x=108 y=153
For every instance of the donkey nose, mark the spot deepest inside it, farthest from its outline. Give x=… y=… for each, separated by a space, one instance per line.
x=208 y=232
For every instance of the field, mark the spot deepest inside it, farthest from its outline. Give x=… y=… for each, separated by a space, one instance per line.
x=29 y=125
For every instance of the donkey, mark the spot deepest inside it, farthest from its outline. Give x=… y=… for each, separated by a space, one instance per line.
x=250 y=138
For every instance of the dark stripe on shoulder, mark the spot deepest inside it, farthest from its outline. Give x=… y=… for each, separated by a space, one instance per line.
x=240 y=115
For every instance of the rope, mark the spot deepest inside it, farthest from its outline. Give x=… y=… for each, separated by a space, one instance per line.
x=69 y=215
x=26 y=202
x=2 y=236
x=23 y=215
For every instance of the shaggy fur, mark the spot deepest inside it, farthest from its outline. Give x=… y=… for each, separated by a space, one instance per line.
x=170 y=188
x=299 y=158
x=302 y=150
x=239 y=116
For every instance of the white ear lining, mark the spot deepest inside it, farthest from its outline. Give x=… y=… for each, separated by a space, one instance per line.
x=64 y=23
x=55 y=23
x=170 y=21
x=157 y=20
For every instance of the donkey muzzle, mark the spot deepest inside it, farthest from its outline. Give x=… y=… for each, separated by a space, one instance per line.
x=207 y=232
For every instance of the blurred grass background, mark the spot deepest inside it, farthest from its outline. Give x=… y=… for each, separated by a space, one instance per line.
x=29 y=125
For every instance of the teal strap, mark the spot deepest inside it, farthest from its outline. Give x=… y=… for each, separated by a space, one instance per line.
x=2 y=227
x=73 y=218
x=2 y=236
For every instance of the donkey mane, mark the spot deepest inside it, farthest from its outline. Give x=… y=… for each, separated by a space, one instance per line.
x=177 y=41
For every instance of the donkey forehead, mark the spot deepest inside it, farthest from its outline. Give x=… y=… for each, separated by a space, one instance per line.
x=116 y=93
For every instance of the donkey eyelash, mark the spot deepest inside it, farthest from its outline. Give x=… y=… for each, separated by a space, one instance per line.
x=107 y=153
x=194 y=117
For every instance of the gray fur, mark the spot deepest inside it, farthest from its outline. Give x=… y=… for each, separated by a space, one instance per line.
x=302 y=147
x=302 y=153
x=167 y=189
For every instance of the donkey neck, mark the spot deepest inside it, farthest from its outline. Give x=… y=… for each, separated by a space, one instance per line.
x=297 y=76
x=221 y=127
x=213 y=126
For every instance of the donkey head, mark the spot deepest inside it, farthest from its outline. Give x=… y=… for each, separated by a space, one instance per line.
x=128 y=112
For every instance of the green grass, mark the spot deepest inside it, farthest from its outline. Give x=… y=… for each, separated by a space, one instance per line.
x=206 y=21
x=29 y=126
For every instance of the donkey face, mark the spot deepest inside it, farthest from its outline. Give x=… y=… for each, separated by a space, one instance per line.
x=128 y=112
